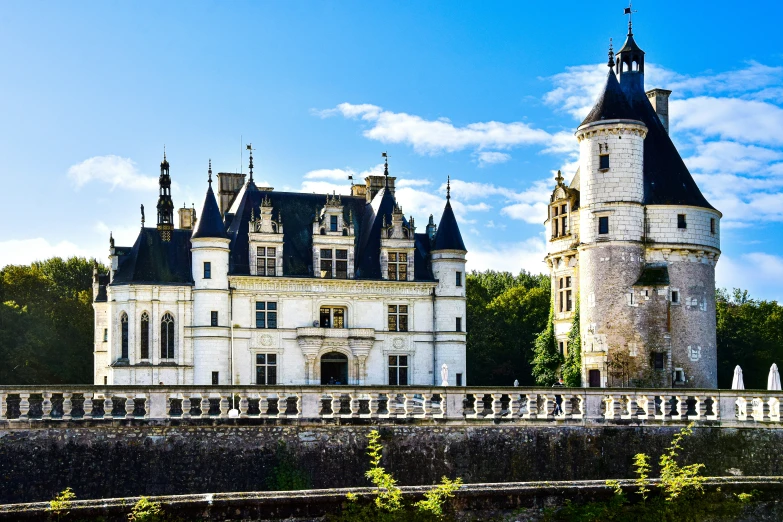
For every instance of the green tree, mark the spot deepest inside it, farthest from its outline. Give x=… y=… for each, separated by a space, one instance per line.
x=546 y=357
x=572 y=369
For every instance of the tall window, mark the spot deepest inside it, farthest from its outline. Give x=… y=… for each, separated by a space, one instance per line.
x=565 y=294
x=266 y=368
x=398 y=266
x=207 y=270
x=459 y=324
x=603 y=225
x=215 y=378
x=398 y=318
x=681 y=221
x=265 y=261
x=603 y=162
x=398 y=370
x=341 y=264
x=332 y=223
x=459 y=279
x=145 y=336
x=659 y=360
x=564 y=219
x=326 y=263
x=124 y=335
x=105 y=334
x=712 y=225
x=266 y=314
x=167 y=336
x=332 y=317
x=213 y=318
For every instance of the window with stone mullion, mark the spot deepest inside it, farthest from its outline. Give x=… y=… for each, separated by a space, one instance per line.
x=144 y=347
x=266 y=261
x=398 y=318
x=398 y=266
x=565 y=294
x=398 y=370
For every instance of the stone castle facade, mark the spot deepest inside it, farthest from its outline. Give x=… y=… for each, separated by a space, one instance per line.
x=274 y=287
x=632 y=238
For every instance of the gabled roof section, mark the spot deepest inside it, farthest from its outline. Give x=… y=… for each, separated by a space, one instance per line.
x=448 y=236
x=368 y=252
x=211 y=224
x=612 y=103
x=153 y=261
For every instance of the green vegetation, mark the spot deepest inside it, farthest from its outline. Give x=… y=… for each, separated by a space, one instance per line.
x=60 y=505
x=46 y=322
x=146 y=511
x=388 y=504
x=572 y=368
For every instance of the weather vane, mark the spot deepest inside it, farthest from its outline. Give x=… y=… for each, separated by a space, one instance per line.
x=251 y=149
x=629 y=11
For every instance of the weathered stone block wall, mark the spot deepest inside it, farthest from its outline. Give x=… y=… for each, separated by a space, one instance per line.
x=137 y=458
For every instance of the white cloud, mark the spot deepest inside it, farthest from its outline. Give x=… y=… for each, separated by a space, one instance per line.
x=441 y=135
x=405 y=182
x=760 y=273
x=732 y=157
x=512 y=257
x=333 y=174
x=744 y=121
x=113 y=170
x=486 y=158
x=324 y=187
x=25 y=251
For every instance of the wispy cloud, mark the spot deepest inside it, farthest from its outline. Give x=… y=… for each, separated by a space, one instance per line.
x=486 y=158
x=112 y=170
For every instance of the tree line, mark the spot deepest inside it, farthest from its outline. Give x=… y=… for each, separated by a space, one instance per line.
x=46 y=329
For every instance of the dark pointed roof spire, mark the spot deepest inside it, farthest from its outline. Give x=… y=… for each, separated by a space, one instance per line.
x=611 y=54
x=211 y=222
x=448 y=187
x=448 y=236
x=209 y=172
x=250 y=148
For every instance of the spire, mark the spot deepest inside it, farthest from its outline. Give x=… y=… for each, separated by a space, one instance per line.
x=250 y=148
x=629 y=11
x=611 y=54
x=448 y=187
x=165 y=204
x=209 y=172
x=448 y=236
x=385 y=169
x=211 y=223
x=142 y=216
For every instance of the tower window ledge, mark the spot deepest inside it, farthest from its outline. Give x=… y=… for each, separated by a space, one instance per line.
x=603 y=170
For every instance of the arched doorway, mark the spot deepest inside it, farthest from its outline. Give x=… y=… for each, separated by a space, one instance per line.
x=334 y=368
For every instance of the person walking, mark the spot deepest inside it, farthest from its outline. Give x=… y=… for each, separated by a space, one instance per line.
x=558 y=398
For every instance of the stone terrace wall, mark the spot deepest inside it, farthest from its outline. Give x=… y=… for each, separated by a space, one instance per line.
x=122 y=458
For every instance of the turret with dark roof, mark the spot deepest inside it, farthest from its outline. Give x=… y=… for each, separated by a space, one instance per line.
x=211 y=223
x=448 y=236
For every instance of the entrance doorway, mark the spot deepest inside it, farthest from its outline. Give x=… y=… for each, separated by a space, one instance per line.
x=334 y=368
x=594 y=376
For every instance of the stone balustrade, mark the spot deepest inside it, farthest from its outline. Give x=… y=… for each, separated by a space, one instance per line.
x=571 y=406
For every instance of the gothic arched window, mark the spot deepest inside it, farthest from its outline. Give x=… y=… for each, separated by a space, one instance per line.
x=167 y=337
x=124 y=335
x=145 y=336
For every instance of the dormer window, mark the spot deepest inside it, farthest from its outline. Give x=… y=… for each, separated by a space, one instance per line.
x=398 y=266
x=265 y=261
x=560 y=220
x=333 y=223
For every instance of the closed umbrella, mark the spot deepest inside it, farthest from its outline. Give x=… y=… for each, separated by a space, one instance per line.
x=737 y=383
x=773 y=381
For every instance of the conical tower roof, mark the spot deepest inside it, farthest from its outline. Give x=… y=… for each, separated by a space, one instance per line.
x=612 y=103
x=448 y=236
x=211 y=223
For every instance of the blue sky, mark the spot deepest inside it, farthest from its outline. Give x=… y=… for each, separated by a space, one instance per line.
x=489 y=93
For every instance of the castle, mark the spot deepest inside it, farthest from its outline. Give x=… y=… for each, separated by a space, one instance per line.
x=271 y=287
x=634 y=241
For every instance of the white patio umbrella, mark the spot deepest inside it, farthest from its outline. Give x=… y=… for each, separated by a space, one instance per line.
x=737 y=383
x=773 y=381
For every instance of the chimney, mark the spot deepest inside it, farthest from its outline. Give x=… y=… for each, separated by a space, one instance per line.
x=431 y=229
x=229 y=185
x=375 y=184
x=359 y=191
x=187 y=218
x=659 y=98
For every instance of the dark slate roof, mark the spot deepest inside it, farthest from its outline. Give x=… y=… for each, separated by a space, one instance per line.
x=612 y=103
x=448 y=236
x=153 y=261
x=653 y=275
x=210 y=224
x=629 y=45
x=368 y=252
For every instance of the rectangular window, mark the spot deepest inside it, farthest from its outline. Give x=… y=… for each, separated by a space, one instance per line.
x=459 y=278
x=207 y=270
x=332 y=317
x=213 y=319
x=333 y=223
x=675 y=296
x=398 y=318
x=556 y=228
x=105 y=380
x=266 y=314
x=326 y=263
x=603 y=225
x=459 y=379
x=561 y=345
x=712 y=225
x=603 y=162
x=569 y=301
x=681 y=221
x=341 y=264
x=679 y=376
x=659 y=360
x=105 y=335
x=398 y=370
x=398 y=266
x=266 y=261
x=215 y=378
x=565 y=297
x=564 y=227
x=266 y=368
x=459 y=324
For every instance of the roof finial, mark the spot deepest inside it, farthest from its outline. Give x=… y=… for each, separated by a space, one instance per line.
x=251 y=149
x=611 y=54
x=559 y=178
x=448 y=187
x=142 y=216
x=629 y=11
x=209 y=179
x=386 y=168
x=164 y=152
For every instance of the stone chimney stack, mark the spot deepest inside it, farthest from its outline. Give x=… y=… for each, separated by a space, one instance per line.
x=375 y=184
x=229 y=185
x=659 y=98
x=187 y=218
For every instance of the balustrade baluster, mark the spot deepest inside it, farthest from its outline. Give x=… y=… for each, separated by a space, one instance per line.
x=774 y=409
x=243 y=405
x=3 y=406
x=532 y=406
x=546 y=410
x=186 y=405
x=406 y=407
x=24 y=406
x=46 y=405
x=659 y=405
x=391 y=406
x=441 y=410
x=224 y=404
x=700 y=407
x=580 y=403
x=497 y=405
x=353 y=405
x=108 y=407
x=514 y=405
x=374 y=405
x=427 y=406
x=336 y=405
x=130 y=405
x=282 y=404
x=714 y=415
x=204 y=404
x=642 y=403
x=87 y=405
x=568 y=406
x=67 y=406
x=609 y=406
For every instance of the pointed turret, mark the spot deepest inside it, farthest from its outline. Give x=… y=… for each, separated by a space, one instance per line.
x=210 y=224
x=612 y=103
x=448 y=236
x=165 y=204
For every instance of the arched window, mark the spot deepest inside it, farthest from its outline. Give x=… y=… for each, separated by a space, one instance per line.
x=167 y=337
x=144 y=336
x=124 y=334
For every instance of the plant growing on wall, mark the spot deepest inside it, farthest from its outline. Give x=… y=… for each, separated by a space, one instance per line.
x=60 y=505
x=546 y=358
x=572 y=369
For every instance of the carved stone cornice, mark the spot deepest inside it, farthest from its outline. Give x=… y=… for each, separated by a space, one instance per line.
x=331 y=286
